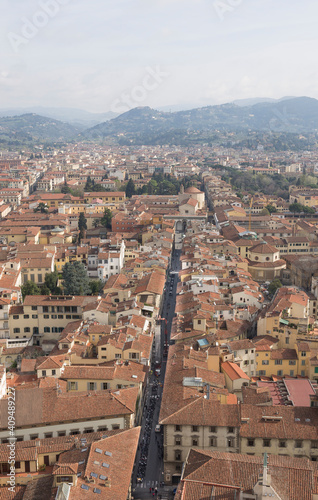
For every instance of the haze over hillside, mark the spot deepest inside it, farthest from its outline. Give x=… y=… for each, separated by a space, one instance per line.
x=287 y=115
x=291 y=115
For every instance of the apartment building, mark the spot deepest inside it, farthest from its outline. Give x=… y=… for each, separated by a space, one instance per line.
x=74 y=413
x=44 y=317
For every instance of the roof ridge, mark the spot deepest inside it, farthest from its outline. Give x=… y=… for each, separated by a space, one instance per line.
x=199 y=398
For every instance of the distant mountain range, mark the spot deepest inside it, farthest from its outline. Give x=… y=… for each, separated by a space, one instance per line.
x=34 y=128
x=287 y=115
x=77 y=117
x=295 y=115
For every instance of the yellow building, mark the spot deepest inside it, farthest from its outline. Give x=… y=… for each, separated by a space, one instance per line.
x=280 y=362
x=107 y=197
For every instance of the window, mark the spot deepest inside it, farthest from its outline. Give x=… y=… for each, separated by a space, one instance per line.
x=230 y=430
x=262 y=372
x=15 y=316
x=282 y=443
x=34 y=308
x=266 y=443
x=33 y=437
x=291 y=373
x=61 y=434
x=177 y=440
x=278 y=361
x=34 y=316
x=53 y=372
x=195 y=428
x=265 y=362
x=26 y=329
x=292 y=362
x=287 y=340
x=48 y=434
x=134 y=355
x=43 y=373
x=230 y=443
x=213 y=429
x=280 y=373
x=177 y=428
x=16 y=330
x=26 y=316
x=195 y=441
x=251 y=442
x=46 y=316
x=314 y=445
x=91 y=386
x=73 y=432
x=177 y=455
x=213 y=442
x=115 y=427
x=298 y=444
x=303 y=354
x=46 y=329
x=303 y=362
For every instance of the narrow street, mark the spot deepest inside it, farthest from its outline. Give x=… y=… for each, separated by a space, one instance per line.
x=148 y=473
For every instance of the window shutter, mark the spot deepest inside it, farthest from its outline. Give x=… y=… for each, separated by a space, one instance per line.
x=76 y=385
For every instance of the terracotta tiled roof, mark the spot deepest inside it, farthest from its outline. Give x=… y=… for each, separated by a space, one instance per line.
x=209 y=473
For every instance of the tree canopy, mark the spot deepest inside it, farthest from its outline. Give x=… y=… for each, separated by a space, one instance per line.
x=42 y=208
x=75 y=279
x=130 y=188
x=274 y=285
x=30 y=288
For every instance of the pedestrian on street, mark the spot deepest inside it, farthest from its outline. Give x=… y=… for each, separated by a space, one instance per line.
x=150 y=489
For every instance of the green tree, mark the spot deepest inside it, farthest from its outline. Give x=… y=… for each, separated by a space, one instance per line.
x=42 y=208
x=65 y=189
x=75 y=279
x=106 y=220
x=30 y=288
x=96 y=223
x=45 y=290
x=271 y=209
x=309 y=210
x=130 y=188
x=50 y=282
x=274 y=285
x=296 y=208
x=96 y=286
x=89 y=184
x=82 y=225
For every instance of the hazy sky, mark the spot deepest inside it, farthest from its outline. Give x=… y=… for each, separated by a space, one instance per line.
x=100 y=55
